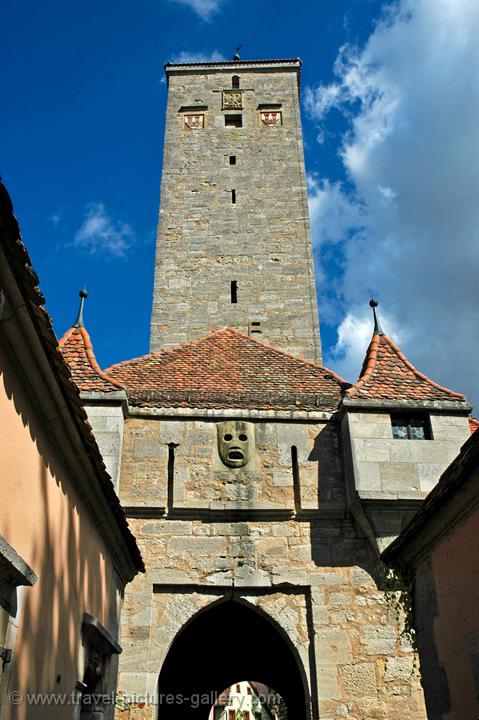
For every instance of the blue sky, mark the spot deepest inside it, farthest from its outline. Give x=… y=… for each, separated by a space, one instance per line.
x=390 y=118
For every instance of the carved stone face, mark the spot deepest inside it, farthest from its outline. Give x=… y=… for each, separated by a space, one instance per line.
x=235 y=442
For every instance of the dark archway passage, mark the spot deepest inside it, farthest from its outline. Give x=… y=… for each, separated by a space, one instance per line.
x=228 y=641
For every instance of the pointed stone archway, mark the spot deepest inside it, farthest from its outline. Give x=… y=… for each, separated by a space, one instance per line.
x=228 y=641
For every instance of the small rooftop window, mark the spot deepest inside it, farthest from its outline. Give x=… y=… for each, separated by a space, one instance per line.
x=411 y=427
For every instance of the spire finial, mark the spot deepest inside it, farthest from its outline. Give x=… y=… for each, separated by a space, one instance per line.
x=377 y=327
x=236 y=57
x=79 y=321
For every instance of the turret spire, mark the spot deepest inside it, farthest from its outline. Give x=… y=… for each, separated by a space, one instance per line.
x=79 y=321
x=377 y=327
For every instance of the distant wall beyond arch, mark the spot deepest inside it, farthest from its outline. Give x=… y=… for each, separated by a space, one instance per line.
x=226 y=641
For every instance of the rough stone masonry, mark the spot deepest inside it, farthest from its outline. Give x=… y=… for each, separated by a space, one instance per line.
x=234 y=243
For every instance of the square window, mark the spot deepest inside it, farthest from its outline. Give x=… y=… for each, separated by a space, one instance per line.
x=411 y=427
x=234 y=121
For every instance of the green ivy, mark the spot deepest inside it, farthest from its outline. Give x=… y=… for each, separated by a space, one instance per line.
x=399 y=596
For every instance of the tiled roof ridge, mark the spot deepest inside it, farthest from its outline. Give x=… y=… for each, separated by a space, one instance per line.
x=371 y=359
x=234 y=332
x=369 y=363
x=287 y=354
x=90 y=354
x=419 y=374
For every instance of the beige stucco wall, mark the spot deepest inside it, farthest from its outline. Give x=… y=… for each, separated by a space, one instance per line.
x=48 y=525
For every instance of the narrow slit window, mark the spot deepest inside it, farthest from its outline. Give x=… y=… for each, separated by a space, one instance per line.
x=171 y=474
x=296 y=485
x=233 y=197
x=234 y=121
x=232 y=159
x=234 y=291
x=235 y=81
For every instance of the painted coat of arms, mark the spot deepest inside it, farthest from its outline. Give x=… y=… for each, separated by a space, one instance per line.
x=271 y=118
x=195 y=121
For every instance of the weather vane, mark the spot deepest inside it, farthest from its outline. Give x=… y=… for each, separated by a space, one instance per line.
x=236 y=57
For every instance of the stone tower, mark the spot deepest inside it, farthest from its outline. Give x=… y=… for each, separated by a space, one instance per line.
x=261 y=488
x=234 y=245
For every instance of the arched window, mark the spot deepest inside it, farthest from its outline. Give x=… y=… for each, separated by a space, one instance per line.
x=235 y=81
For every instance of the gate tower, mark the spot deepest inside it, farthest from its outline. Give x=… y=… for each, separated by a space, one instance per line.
x=234 y=244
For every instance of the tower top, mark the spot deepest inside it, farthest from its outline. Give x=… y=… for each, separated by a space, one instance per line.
x=226 y=66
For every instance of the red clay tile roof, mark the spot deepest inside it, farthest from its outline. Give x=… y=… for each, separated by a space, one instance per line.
x=77 y=350
x=473 y=424
x=388 y=375
x=227 y=369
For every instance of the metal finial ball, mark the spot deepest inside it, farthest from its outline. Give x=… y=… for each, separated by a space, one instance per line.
x=373 y=303
x=83 y=293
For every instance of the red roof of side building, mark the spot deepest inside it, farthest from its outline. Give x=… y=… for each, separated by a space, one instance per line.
x=227 y=369
x=473 y=424
x=388 y=375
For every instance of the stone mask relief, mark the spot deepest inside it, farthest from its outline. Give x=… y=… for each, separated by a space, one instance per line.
x=235 y=442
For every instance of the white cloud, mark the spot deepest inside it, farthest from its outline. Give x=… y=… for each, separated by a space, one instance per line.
x=204 y=8
x=186 y=56
x=56 y=218
x=409 y=228
x=100 y=234
x=354 y=336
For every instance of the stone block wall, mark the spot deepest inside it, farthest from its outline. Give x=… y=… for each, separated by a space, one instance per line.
x=261 y=241
x=107 y=422
x=312 y=573
x=317 y=581
x=385 y=467
x=198 y=479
